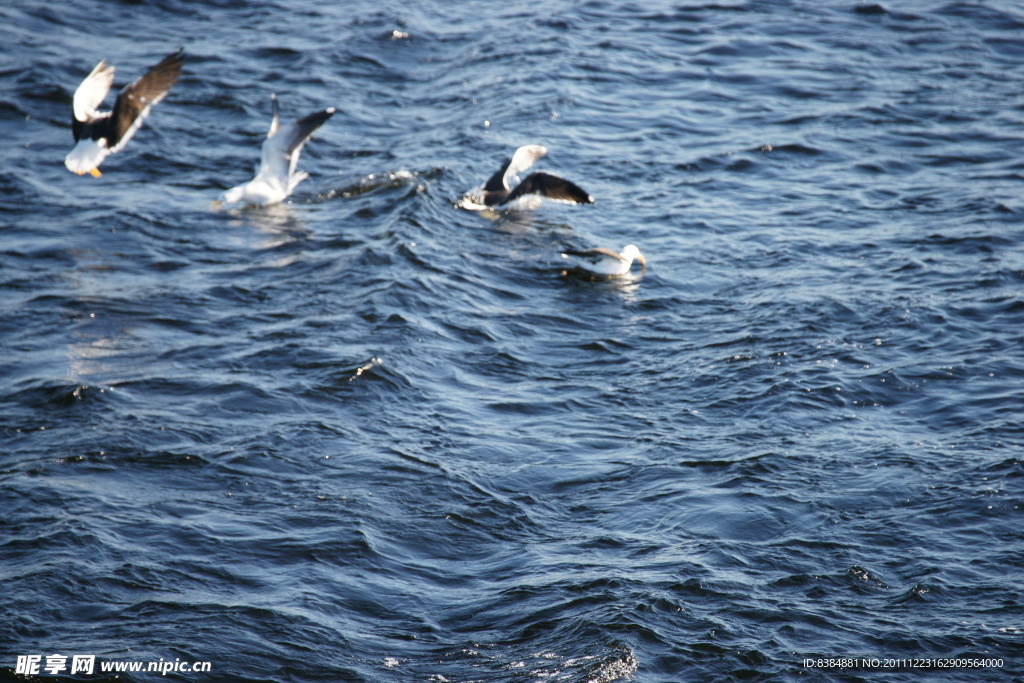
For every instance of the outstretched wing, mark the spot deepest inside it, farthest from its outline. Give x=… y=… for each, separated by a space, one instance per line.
x=297 y=133
x=134 y=102
x=551 y=186
x=281 y=149
x=91 y=93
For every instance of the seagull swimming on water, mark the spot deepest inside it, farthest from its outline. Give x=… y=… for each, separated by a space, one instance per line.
x=100 y=134
x=603 y=261
x=498 y=192
x=276 y=176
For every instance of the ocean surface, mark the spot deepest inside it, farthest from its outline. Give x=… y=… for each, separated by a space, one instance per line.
x=367 y=435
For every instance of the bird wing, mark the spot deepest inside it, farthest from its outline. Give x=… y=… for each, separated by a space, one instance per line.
x=93 y=90
x=134 y=102
x=551 y=186
x=496 y=183
x=524 y=157
x=275 y=122
x=281 y=149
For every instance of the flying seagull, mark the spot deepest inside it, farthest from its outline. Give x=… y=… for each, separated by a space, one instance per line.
x=498 y=192
x=276 y=177
x=603 y=261
x=100 y=134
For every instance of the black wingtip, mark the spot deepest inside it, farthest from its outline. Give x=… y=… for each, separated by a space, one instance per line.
x=317 y=118
x=171 y=64
x=178 y=57
x=307 y=125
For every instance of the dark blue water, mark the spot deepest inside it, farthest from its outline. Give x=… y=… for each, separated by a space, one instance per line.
x=368 y=436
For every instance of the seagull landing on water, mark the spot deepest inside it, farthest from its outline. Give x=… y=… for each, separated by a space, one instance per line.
x=276 y=177
x=100 y=134
x=602 y=261
x=498 y=193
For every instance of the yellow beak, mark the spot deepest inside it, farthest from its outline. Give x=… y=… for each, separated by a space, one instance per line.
x=95 y=173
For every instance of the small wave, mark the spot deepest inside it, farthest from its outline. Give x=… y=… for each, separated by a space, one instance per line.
x=57 y=395
x=378 y=182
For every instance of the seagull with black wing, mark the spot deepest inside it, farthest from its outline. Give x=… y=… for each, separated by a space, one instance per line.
x=604 y=261
x=498 y=193
x=100 y=134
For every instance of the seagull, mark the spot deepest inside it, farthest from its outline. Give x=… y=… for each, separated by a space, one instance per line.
x=100 y=134
x=498 y=192
x=276 y=176
x=603 y=261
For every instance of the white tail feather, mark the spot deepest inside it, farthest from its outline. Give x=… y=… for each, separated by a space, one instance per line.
x=86 y=155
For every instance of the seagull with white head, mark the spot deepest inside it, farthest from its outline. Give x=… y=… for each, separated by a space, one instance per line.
x=604 y=261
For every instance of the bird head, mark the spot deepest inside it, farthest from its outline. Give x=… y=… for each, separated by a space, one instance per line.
x=229 y=197
x=631 y=252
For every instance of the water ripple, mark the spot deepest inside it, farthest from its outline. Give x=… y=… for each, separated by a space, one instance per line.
x=366 y=435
